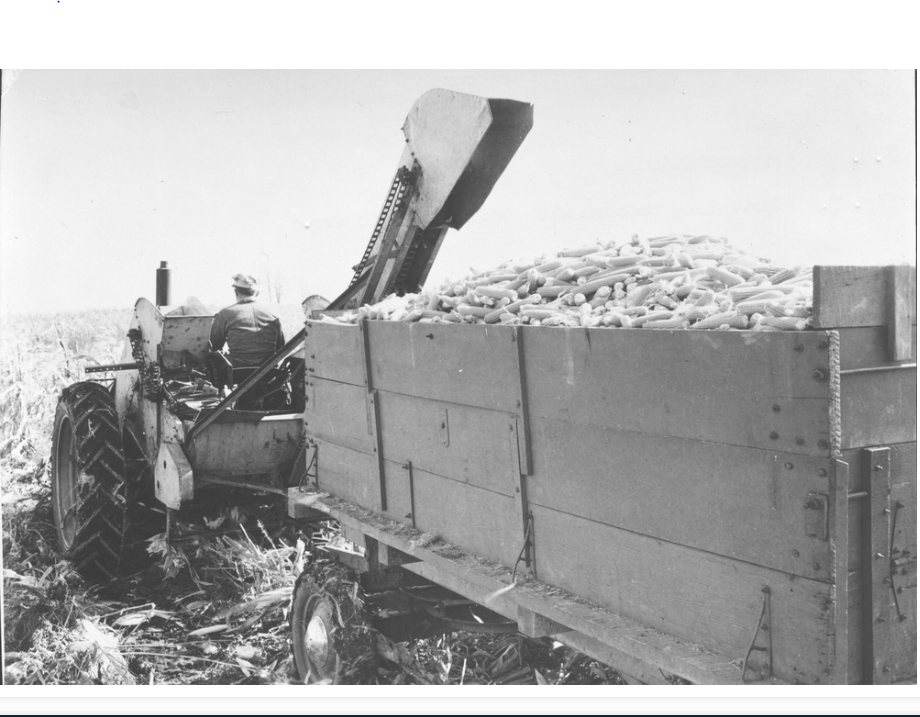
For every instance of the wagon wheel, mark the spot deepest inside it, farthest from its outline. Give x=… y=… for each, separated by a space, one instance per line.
x=87 y=480
x=333 y=641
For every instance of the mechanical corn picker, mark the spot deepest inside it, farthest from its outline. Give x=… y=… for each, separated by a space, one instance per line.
x=703 y=506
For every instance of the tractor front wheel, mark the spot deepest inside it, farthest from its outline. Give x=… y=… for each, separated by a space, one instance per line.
x=87 y=480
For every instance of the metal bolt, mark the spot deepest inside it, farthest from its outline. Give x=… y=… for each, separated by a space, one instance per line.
x=819 y=374
x=799 y=441
x=886 y=511
x=773 y=435
x=822 y=345
x=899 y=504
x=822 y=472
x=816 y=565
x=798 y=348
x=789 y=466
x=886 y=669
x=880 y=619
x=877 y=467
x=902 y=618
x=900 y=590
x=795 y=553
x=886 y=581
x=878 y=556
x=776 y=408
x=823 y=443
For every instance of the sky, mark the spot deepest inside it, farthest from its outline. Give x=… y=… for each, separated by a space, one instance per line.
x=281 y=174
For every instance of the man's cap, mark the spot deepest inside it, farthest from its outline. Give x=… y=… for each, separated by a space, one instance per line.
x=245 y=281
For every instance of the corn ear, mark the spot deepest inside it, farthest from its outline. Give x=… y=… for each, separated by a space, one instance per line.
x=675 y=322
x=785 y=274
x=715 y=321
x=724 y=275
x=786 y=323
x=652 y=316
x=582 y=251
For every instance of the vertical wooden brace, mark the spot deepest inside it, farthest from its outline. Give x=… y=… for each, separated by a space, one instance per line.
x=877 y=565
x=839 y=527
x=901 y=299
x=373 y=414
x=519 y=487
x=517 y=336
x=362 y=327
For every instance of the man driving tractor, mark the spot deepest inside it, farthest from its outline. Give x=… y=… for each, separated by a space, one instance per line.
x=248 y=327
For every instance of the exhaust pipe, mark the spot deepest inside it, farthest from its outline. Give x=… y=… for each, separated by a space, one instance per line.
x=163 y=276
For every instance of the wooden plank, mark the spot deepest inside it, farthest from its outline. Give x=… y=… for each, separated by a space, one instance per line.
x=743 y=503
x=481 y=521
x=334 y=352
x=349 y=474
x=338 y=412
x=855 y=532
x=856 y=296
x=903 y=462
x=867 y=347
x=839 y=530
x=762 y=389
x=470 y=365
x=467 y=444
x=877 y=614
x=902 y=301
x=693 y=595
x=903 y=629
x=535 y=625
x=855 y=639
x=903 y=458
x=878 y=408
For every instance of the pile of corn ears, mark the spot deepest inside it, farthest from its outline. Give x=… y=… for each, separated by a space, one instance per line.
x=668 y=282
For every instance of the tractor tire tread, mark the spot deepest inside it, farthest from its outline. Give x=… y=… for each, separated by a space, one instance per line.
x=100 y=505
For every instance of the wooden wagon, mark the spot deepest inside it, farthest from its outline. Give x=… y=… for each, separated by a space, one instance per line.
x=714 y=506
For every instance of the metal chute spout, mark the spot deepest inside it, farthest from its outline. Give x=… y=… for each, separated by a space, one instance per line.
x=457 y=146
x=462 y=143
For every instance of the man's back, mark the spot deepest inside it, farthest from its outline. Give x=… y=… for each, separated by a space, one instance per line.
x=251 y=331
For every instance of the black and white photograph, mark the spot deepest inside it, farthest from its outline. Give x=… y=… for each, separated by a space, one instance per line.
x=601 y=380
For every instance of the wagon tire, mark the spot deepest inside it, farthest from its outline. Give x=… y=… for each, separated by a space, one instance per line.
x=88 y=481
x=332 y=638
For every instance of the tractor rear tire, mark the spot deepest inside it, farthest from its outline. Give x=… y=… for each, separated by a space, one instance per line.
x=333 y=642
x=88 y=481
